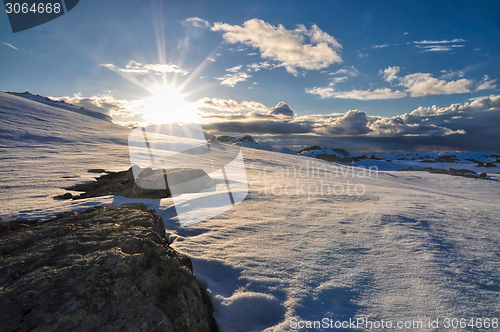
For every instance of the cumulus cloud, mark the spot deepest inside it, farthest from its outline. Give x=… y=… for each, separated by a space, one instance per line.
x=390 y=73
x=479 y=118
x=196 y=22
x=287 y=47
x=424 y=84
x=134 y=67
x=353 y=122
x=414 y=85
x=232 y=79
x=282 y=109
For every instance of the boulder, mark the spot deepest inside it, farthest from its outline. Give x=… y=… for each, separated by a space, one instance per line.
x=139 y=182
x=490 y=165
x=483 y=175
x=104 y=269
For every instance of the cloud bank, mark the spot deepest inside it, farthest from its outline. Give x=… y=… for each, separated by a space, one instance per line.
x=473 y=124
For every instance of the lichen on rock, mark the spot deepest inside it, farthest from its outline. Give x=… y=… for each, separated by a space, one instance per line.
x=104 y=269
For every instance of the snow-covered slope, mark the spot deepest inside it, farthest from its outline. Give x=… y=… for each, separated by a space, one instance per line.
x=45 y=148
x=62 y=104
x=314 y=240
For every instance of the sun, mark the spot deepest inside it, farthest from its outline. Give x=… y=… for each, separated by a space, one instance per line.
x=167 y=105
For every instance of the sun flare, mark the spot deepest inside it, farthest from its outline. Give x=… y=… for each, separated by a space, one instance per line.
x=167 y=105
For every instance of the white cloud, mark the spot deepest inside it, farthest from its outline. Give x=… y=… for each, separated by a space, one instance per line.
x=380 y=46
x=230 y=105
x=351 y=71
x=234 y=69
x=285 y=46
x=456 y=40
x=486 y=84
x=329 y=92
x=424 y=84
x=353 y=122
x=390 y=73
x=336 y=80
x=196 y=22
x=232 y=79
x=134 y=67
x=439 y=45
x=451 y=74
x=10 y=45
x=258 y=66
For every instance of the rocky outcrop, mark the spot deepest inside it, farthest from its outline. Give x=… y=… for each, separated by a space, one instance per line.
x=147 y=183
x=452 y=171
x=334 y=158
x=105 y=269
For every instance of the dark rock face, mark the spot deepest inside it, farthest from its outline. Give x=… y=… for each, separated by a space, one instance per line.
x=105 y=269
x=334 y=158
x=149 y=183
x=452 y=171
x=96 y=170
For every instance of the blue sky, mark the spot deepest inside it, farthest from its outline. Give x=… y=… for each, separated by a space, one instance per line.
x=340 y=65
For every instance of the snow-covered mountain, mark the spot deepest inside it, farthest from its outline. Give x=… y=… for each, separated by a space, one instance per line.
x=314 y=241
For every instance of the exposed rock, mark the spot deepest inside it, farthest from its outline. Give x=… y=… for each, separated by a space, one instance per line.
x=234 y=140
x=453 y=171
x=446 y=159
x=490 y=165
x=96 y=170
x=334 y=158
x=480 y=164
x=149 y=183
x=105 y=269
x=64 y=196
x=462 y=171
